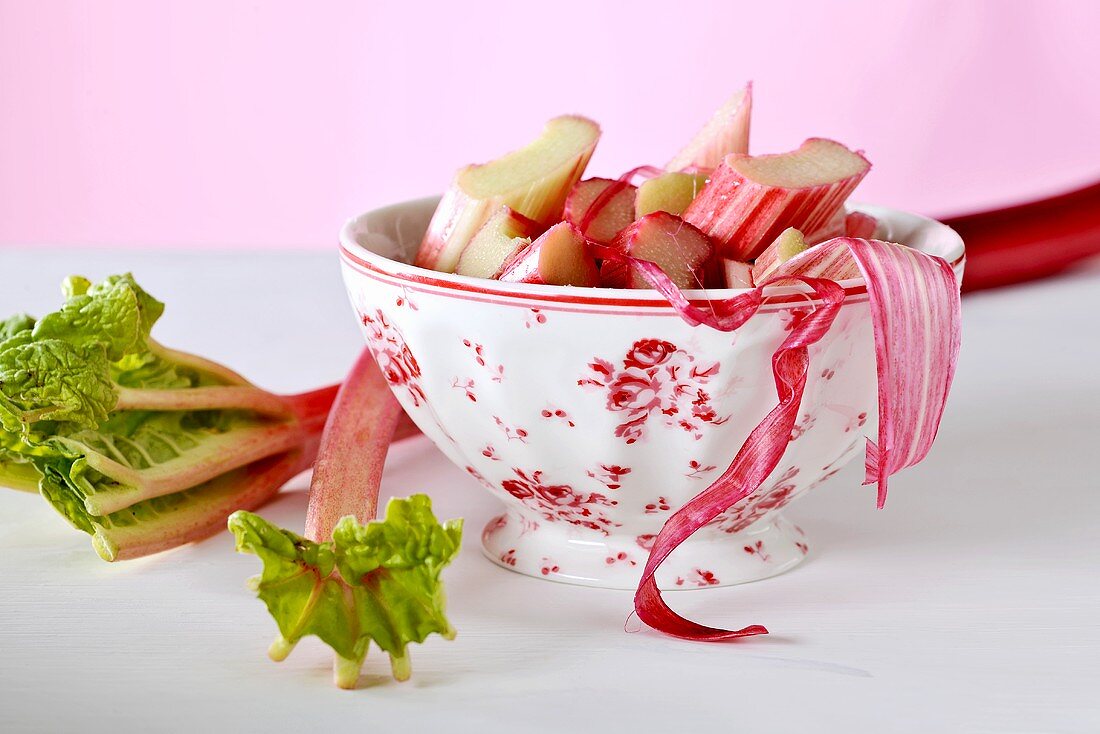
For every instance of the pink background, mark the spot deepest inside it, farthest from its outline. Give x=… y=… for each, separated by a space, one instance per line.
x=215 y=122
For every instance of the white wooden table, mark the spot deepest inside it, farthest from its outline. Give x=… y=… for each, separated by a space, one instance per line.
x=971 y=603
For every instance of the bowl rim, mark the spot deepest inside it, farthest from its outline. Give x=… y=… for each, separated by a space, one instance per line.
x=358 y=255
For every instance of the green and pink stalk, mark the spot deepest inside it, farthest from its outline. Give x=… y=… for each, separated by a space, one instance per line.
x=533 y=181
x=750 y=200
x=726 y=132
x=680 y=250
x=600 y=207
x=350 y=580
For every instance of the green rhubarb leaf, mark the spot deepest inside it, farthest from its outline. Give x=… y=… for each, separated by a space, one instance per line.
x=149 y=371
x=378 y=582
x=13 y=325
x=75 y=285
x=60 y=380
x=111 y=317
x=53 y=380
x=65 y=368
x=118 y=293
x=149 y=308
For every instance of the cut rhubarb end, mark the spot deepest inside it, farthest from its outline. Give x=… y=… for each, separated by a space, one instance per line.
x=280 y=649
x=346 y=671
x=401 y=666
x=533 y=181
x=670 y=192
x=751 y=200
x=559 y=257
x=494 y=246
x=613 y=215
x=676 y=247
x=726 y=132
x=817 y=162
x=789 y=243
x=737 y=274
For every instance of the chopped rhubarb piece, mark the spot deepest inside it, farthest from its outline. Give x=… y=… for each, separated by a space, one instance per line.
x=860 y=225
x=788 y=244
x=533 y=181
x=679 y=249
x=835 y=227
x=559 y=257
x=726 y=132
x=496 y=244
x=819 y=261
x=737 y=274
x=670 y=192
x=750 y=200
x=611 y=215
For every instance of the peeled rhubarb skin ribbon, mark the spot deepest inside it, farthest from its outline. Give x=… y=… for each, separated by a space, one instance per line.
x=754 y=462
x=914 y=301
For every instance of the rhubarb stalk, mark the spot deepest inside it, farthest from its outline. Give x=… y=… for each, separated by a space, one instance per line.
x=559 y=257
x=496 y=244
x=587 y=212
x=600 y=217
x=142 y=447
x=860 y=225
x=348 y=471
x=750 y=200
x=726 y=132
x=680 y=250
x=350 y=581
x=788 y=244
x=1027 y=241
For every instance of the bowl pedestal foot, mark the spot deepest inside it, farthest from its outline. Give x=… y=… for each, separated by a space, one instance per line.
x=710 y=558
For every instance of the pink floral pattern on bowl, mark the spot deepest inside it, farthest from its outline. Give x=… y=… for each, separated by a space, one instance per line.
x=656 y=380
x=560 y=502
x=393 y=355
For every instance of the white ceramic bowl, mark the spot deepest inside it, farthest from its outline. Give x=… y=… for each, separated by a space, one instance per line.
x=594 y=413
